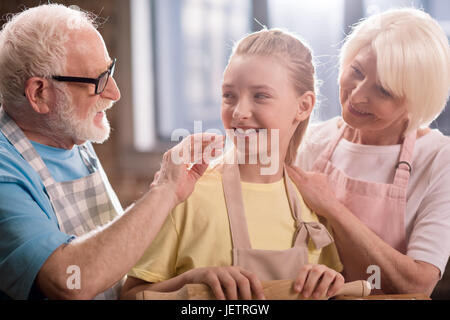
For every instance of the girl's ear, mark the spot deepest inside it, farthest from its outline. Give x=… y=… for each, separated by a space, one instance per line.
x=38 y=93
x=305 y=105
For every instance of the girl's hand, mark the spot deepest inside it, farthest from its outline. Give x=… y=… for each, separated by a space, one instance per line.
x=315 y=191
x=230 y=283
x=317 y=280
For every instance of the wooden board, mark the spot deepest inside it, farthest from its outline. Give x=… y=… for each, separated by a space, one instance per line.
x=273 y=290
x=414 y=296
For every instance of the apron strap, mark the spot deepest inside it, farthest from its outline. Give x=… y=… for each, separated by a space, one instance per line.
x=403 y=168
x=18 y=139
x=232 y=189
x=238 y=222
x=88 y=158
x=325 y=156
x=316 y=231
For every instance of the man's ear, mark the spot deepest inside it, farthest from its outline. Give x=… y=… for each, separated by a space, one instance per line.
x=39 y=94
x=305 y=105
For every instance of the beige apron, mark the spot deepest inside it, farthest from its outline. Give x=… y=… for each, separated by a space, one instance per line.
x=269 y=264
x=81 y=205
x=380 y=206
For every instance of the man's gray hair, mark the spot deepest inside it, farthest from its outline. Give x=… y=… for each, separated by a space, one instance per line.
x=32 y=44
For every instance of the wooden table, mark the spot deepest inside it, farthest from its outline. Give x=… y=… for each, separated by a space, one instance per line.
x=414 y=296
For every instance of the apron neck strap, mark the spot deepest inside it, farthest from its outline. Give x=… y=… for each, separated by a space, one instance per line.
x=329 y=150
x=315 y=230
x=235 y=205
x=88 y=158
x=403 y=167
x=18 y=139
x=234 y=201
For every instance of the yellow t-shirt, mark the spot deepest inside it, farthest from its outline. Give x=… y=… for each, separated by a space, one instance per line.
x=197 y=232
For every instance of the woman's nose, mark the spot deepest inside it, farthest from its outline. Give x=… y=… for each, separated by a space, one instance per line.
x=359 y=93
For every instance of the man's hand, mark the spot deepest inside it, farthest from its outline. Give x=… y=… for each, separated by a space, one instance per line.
x=185 y=163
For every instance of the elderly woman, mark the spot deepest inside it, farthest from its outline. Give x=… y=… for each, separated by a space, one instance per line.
x=378 y=174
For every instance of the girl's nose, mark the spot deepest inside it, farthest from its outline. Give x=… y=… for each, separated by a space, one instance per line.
x=242 y=111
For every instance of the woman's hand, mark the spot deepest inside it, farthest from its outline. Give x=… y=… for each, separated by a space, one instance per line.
x=230 y=283
x=317 y=280
x=315 y=191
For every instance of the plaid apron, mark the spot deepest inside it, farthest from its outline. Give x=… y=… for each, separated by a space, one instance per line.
x=80 y=205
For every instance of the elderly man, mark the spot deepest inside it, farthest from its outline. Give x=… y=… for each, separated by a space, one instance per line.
x=59 y=217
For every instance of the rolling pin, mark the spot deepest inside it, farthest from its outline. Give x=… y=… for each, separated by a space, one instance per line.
x=273 y=290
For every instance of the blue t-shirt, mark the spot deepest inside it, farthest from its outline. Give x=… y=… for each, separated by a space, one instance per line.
x=29 y=230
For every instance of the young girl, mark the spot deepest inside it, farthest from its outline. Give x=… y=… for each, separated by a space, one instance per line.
x=240 y=227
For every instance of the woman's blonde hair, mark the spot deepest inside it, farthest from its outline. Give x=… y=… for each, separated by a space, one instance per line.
x=297 y=57
x=32 y=44
x=413 y=59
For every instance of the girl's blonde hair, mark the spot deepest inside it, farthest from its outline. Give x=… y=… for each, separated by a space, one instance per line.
x=297 y=57
x=413 y=59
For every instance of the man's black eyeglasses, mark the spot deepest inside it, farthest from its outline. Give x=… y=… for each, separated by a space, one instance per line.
x=100 y=82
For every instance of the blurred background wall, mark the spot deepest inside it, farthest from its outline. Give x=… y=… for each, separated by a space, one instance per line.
x=171 y=55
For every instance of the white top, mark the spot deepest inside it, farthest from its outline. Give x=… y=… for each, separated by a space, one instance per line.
x=427 y=219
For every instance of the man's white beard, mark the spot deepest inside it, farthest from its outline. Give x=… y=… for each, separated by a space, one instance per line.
x=66 y=121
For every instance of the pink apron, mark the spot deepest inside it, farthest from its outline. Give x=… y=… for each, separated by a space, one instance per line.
x=381 y=207
x=269 y=264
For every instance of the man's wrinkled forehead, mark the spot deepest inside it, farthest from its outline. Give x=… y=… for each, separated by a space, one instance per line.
x=85 y=39
x=87 y=47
